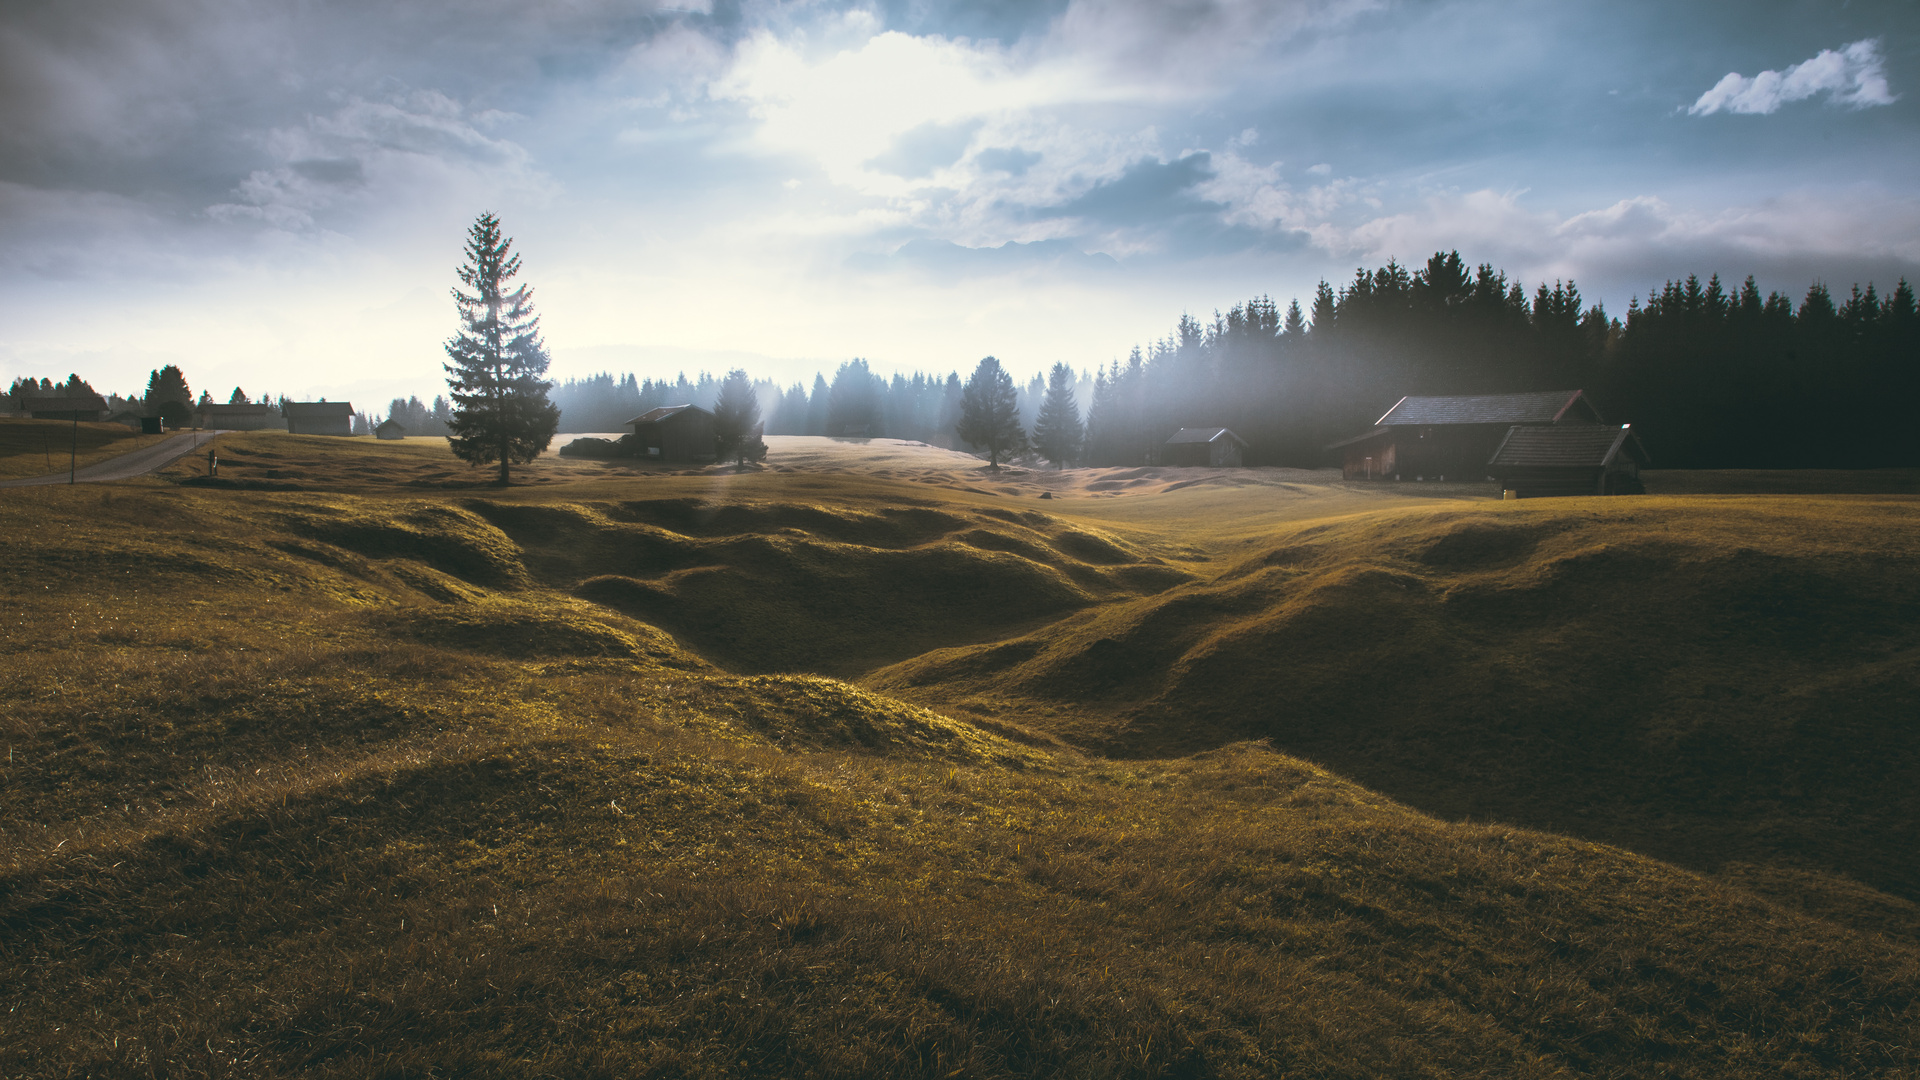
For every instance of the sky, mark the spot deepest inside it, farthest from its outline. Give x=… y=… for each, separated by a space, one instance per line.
x=274 y=196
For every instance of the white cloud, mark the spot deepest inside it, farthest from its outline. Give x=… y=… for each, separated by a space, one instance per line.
x=1854 y=76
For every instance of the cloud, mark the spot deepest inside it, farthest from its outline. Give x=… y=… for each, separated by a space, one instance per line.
x=1854 y=76
x=945 y=259
x=1860 y=232
x=1148 y=192
x=1011 y=160
x=371 y=153
x=918 y=152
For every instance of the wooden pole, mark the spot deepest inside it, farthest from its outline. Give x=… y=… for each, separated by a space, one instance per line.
x=73 y=455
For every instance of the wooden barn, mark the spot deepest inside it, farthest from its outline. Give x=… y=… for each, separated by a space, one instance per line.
x=1214 y=446
x=1440 y=438
x=320 y=417
x=390 y=429
x=1535 y=460
x=675 y=433
x=239 y=417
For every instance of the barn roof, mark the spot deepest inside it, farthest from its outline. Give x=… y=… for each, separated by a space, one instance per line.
x=665 y=412
x=252 y=408
x=319 y=410
x=62 y=403
x=1360 y=438
x=389 y=422
x=1579 y=446
x=1538 y=407
x=1203 y=435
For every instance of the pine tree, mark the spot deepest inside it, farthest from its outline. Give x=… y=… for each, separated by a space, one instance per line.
x=500 y=407
x=990 y=413
x=1057 y=433
x=169 y=397
x=736 y=420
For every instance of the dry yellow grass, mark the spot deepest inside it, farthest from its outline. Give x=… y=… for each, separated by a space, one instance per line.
x=45 y=447
x=350 y=782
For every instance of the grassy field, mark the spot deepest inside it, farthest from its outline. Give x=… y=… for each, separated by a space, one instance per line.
x=871 y=763
x=41 y=447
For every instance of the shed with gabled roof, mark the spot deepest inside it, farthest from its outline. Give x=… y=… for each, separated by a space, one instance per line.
x=390 y=429
x=1437 y=438
x=681 y=434
x=1536 y=460
x=1212 y=446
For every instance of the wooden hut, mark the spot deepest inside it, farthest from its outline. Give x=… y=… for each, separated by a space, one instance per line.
x=320 y=417
x=1439 y=438
x=675 y=433
x=390 y=429
x=1569 y=459
x=1214 y=446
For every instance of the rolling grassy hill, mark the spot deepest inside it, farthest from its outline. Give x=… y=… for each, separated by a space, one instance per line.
x=397 y=777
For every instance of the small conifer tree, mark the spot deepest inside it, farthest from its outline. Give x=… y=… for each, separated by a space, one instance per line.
x=990 y=413
x=500 y=407
x=1057 y=433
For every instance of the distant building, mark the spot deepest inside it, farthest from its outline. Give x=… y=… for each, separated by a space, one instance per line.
x=128 y=418
x=674 y=433
x=1569 y=459
x=319 y=417
x=239 y=417
x=1214 y=446
x=1436 y=438
x=86 y=408
x=390 y=429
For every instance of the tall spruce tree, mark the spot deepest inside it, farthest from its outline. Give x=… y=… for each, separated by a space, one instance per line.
x=500 y=407
x=990 y=413
x=1057 y=433
x=736 y=420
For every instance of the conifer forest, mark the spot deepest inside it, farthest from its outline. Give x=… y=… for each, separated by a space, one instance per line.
x=1711 y=375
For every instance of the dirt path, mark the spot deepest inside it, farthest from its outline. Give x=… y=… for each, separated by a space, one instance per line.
x=126 y=466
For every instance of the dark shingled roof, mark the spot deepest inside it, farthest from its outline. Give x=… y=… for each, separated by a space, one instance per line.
x=1580 y=446
x=62 y=403
x=1360 y=438
x=654 y=416
x=1203 y=435
x=1539 y=407
x=318 y=410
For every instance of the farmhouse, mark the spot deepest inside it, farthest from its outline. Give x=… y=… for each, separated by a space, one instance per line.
x=239 y=417
x=320 y=417
x=674 y=433
x=1569 y=459
x=1214 y=446
x=390 y=429
x=1433 y=438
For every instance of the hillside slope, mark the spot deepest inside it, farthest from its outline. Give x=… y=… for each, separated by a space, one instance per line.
x=1715 y=680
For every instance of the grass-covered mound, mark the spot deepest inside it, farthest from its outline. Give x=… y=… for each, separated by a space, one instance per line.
x=1715 y=680
x=778 y=585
